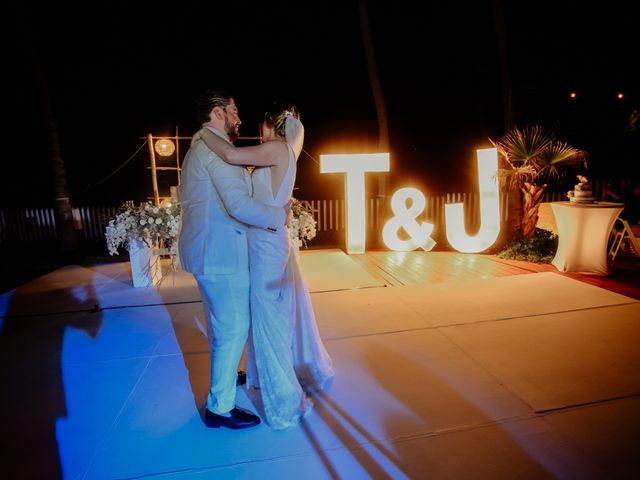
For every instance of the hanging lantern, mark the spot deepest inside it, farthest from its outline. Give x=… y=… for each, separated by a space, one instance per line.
x=165 y=147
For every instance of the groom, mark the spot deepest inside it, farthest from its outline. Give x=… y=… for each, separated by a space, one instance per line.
x=216 y=208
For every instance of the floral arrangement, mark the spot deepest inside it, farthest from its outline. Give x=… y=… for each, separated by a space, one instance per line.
x=302 y=226
x=160 y=225
x=147 y=222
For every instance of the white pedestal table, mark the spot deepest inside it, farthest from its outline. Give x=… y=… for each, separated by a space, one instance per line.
x=583 y=234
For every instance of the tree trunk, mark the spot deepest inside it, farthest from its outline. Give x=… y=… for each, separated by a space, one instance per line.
x=67 y=238
x=512 y=226
x=533 y=195
x=514 y=201
x=376 y=89
x=381 y=109
x=503 y=55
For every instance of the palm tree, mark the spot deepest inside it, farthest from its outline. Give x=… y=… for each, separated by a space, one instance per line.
x=533 y=156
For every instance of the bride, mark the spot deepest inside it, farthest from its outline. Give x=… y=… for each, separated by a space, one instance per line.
x=286 y=359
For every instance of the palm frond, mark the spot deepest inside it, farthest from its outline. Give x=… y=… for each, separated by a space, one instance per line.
x=559 y=153
x=525 y=170
x=523 y=146
x=506 y=172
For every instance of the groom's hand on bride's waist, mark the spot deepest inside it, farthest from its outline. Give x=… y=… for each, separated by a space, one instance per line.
x=287 y=209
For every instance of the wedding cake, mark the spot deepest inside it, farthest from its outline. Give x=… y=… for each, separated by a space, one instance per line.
x=582 y=192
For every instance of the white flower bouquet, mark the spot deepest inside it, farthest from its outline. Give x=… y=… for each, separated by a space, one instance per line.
x=302 y=227
x=155 y=225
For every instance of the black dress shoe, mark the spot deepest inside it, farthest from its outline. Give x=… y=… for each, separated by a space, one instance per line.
x=239 y=419
x=242 y=377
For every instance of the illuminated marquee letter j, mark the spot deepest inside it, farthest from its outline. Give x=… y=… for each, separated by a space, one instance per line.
x=489 y=209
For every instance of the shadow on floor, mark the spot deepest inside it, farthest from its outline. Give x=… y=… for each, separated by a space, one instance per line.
x=33 y=391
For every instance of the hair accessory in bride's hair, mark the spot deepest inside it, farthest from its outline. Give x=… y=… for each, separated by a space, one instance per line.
x=289 y=113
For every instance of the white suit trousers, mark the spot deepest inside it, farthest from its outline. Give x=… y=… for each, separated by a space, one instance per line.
x=225 y=299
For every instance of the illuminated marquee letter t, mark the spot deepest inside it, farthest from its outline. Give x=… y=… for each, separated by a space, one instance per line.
x=355 y=166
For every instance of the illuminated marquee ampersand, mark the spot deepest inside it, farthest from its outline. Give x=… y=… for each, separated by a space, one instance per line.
x=355 y=166
x=405 y=218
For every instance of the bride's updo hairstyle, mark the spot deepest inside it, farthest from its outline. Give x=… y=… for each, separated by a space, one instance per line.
x=276 y=117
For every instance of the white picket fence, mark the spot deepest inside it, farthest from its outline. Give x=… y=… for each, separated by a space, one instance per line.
x=38 y=224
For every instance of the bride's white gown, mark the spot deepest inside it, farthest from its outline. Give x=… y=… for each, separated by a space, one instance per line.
x=286 y=358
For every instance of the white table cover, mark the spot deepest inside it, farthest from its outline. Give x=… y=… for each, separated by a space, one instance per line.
x=583 y=234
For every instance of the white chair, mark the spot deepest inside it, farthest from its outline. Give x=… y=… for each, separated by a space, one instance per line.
x=622 y=232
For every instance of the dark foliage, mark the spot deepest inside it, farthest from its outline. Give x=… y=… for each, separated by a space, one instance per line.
x=538 y=248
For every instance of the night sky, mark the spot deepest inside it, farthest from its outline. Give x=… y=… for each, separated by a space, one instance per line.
x=116 y=72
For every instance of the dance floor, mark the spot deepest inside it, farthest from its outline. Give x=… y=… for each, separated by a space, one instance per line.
x=524 y=376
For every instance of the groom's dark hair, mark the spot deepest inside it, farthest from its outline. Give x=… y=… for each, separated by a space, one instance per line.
x=207 y=101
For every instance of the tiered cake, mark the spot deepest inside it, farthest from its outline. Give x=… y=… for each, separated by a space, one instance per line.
x=582 y=192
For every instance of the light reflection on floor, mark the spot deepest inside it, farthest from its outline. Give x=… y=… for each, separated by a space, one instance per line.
x=496 y=378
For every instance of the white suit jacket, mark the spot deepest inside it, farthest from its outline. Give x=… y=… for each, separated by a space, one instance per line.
x=216 y=209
